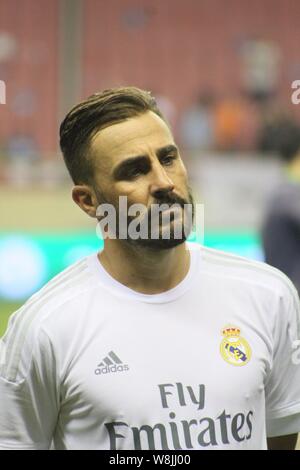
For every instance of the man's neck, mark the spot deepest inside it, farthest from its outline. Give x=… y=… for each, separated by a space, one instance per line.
x=143 y=270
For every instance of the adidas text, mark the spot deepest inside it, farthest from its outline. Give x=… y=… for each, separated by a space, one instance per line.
x=114 y=368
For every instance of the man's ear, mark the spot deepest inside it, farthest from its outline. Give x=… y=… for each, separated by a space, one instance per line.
x=85 y=198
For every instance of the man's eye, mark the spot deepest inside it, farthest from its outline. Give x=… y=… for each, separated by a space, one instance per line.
x=134 y=172
x=168 y=160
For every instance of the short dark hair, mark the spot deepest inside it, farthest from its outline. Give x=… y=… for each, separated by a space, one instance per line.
x=282 y=137
x=288 y=141
x=95 y=113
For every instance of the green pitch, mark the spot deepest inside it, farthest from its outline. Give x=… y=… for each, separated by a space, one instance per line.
x=6 y=309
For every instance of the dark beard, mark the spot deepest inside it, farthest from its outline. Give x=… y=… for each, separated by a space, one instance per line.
x=159 y=243
x=174 y=238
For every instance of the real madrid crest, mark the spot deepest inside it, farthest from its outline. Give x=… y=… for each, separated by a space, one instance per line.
x=234 y=349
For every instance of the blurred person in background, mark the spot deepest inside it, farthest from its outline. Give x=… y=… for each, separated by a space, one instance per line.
x=197 y=125
x=237 y=123
x=281 y=227
x=167 y=107
x=152 y=343
x=260 y=63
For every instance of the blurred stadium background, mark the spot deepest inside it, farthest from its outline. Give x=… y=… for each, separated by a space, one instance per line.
x=220 y=70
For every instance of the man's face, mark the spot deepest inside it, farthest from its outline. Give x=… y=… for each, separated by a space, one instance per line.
x=139 y=159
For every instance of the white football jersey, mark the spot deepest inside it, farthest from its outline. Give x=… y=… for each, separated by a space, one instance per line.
x=213 y=363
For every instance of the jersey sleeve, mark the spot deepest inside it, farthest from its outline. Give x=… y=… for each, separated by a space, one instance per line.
x=29 y=395
x=283 y=382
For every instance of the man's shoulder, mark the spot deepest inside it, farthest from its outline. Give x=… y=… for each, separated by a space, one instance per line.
x=54 y=308
x=247 y=271
x=67 y=286
x=63 y=293
x=284 y=198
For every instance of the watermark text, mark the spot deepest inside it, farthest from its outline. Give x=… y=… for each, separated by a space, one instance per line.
x=2 y=92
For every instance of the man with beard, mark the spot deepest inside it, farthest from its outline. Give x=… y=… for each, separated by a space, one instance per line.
x=149 y=344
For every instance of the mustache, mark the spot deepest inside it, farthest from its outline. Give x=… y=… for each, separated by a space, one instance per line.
x=167 y=200
x=171 y=199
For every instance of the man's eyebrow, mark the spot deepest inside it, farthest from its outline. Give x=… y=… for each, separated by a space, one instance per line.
x=163 y=151
x=130 y=161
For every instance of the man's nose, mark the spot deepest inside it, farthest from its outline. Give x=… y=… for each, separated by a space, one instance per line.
x=161 y=183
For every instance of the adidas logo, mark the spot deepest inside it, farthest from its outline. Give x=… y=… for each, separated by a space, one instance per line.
x=111 y=363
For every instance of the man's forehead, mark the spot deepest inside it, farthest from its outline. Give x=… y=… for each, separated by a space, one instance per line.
x=133 y=135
